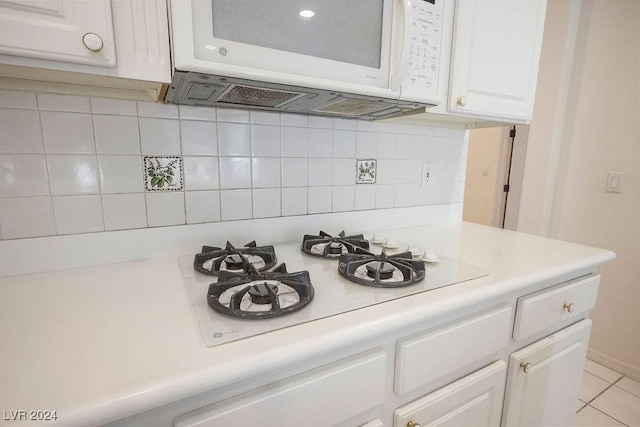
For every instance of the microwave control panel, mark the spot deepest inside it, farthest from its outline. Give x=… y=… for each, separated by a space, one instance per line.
x=425 y=50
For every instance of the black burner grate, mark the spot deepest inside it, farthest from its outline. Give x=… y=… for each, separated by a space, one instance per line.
x=326 y=246
x=382 y=271
x=213 y=260
x=257 y=290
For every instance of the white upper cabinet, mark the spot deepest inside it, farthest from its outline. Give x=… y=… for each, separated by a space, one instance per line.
x=116 y=48
x=495 y=56
x=80 y=32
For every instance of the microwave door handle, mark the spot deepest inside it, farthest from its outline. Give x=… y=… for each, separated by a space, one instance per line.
x=401 y=68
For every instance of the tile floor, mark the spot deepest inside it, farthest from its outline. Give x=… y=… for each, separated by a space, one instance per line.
x=607 y=398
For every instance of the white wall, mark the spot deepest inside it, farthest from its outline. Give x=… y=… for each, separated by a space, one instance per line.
x=480 y=190
x=586 y=123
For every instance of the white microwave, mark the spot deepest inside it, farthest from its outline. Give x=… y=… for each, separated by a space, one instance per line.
x=368 y=59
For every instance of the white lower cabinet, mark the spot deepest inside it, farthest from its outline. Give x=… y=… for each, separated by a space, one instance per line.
x=326 y=396
x=544 y=379
x=474 y=400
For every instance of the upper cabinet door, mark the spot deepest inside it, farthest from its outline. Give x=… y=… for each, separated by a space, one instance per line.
x=496 y=51
x=61 y=30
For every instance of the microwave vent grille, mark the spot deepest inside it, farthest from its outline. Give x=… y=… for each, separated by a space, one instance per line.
x=354 y=107
x=261 y=97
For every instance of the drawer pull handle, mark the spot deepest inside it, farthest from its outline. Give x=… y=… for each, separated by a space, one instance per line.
x=526 y=367
x=569 y=307
x=412 y=424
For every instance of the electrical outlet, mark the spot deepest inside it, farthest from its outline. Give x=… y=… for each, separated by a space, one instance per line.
x=485 y=170
x=426 y=174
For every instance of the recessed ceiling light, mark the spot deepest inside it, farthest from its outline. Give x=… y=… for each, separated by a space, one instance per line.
x=307 y=13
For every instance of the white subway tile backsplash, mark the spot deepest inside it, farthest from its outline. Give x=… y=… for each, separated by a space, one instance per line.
x=124 y=211
x=119 y=107
x=160 y=111
x=265 y=172
x=188 y=112
x=345 y=124
x=201 y=173
x=231 y=115
x=406 y=172
x=386 y=171
x=320 y=142
x=160 y=136
x=319 y=199
x=296 y=120
x=67 y=133
x=266 y=203
x=116 y=134
x=202 y=206
x=294 y=201
x=18 y=99
x=440 y=148
x=23 y=175
x=165 y=208
x=344 y=144
x=320 y=122
x=367 y=145
x=365 y=197
x=344 y=171
x=385 y=196
x=294 y=172
x=387 y=145
x=366 y=126
x=320 y=172
x=235 y=204
x=295 y=141
x=78 y=214
x=234 y=139
x=343 y=198
x=235 y=172
x=72 y=174
x=387 y=128
x=404 y=195
x=21 y=131
x=265 y=141
x=79 y=162
x=406 y=146
x=265 y=118
x=26 y=217
x=407 y=129
x=70 y=103
x=198 y=138
x=120 y=174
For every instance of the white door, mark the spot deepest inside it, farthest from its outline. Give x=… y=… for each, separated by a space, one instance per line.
x=65 y=30
x=544 y=379
x=496 y=51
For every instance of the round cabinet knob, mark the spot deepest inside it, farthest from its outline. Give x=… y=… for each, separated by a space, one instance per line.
x=526 y=367
x=569 y=307
x=93 y=42
x=462 y=101
x=412 y=424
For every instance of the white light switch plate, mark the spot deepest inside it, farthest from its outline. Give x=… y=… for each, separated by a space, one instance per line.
x=614 y=182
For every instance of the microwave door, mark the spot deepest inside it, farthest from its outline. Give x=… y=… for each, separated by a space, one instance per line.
x=341 y=45
x=421 y=32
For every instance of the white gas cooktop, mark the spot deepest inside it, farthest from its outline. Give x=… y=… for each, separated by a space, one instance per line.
x=334 y=294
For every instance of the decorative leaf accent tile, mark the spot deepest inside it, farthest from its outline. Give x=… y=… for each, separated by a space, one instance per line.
x=163 y=173
x=366 y=171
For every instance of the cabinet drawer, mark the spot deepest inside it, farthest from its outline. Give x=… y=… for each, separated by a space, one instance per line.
x=426 y=357
x=475 y=400
x=547 y=308
x=332 y=394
